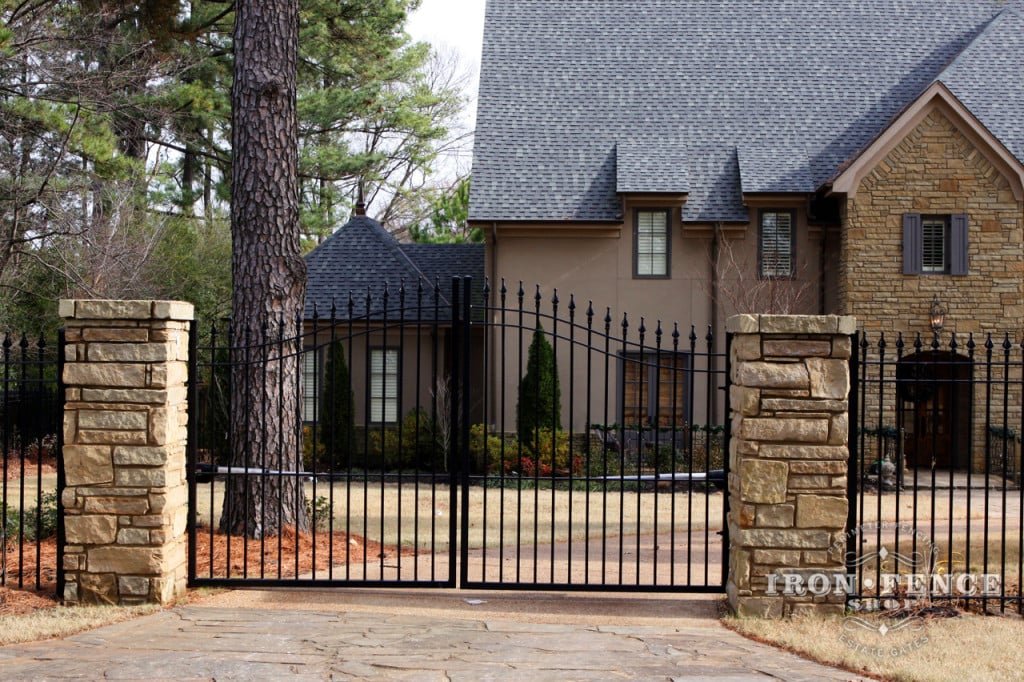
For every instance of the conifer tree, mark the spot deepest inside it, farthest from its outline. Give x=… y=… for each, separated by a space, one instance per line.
x=337 y=422
x=540 y=397
x=268 y=272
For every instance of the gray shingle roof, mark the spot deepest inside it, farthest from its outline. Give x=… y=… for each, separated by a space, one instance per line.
x=361 y=259
x=988 y=77
x=580 y=99
x=651 y=165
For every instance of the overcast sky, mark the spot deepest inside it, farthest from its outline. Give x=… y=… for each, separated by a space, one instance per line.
x=457 y=25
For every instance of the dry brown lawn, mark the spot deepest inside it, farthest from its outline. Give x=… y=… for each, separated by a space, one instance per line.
x=967 y=647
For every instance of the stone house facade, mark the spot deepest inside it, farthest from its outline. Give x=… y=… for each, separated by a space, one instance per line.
x=936 y=164
x=864 y=159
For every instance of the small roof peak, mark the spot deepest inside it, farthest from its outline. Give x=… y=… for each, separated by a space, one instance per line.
x=360 y=202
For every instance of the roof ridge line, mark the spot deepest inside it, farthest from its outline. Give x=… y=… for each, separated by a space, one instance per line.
x=419 y=271
x=988 y=27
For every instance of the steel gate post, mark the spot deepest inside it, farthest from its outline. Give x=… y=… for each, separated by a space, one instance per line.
x=457 y=533
x=460 y=415
x=726 y=449
x=192 y=444
x=61 y=480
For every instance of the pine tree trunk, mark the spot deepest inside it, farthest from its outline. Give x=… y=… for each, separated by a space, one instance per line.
x=268 y=272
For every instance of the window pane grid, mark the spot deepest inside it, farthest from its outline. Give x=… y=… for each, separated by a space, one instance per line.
x=777 y=244
x=652 y=243
x=383 y=385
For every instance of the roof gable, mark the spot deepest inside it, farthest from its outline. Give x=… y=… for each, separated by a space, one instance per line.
x=988 y=79
x=935 y=97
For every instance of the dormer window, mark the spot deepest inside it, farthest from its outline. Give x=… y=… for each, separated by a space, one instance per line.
x=652 y=243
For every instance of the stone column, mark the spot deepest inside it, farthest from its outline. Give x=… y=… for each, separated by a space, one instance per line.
x=125 y=422
x=790 y=382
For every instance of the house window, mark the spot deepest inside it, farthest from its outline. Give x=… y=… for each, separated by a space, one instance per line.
x=384 y=385
x=654 y=388
x=776 y=245
x=652 y=244
x=310 y=384
x=934 y=244
x=934 y=239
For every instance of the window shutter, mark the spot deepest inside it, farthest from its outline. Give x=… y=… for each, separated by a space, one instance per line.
x=383 y=385
x=912 y=243
x=958 y=264
x=309 y=385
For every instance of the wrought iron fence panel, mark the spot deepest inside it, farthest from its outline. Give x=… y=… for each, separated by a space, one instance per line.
x=31 y=433
x=937 y=506
x=373 y=479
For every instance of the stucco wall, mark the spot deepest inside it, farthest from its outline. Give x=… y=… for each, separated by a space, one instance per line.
x=595 y=264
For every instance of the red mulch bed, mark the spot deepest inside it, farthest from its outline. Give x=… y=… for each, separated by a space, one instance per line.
x=15 y=601
x=14 y=462
x=247 y=557
x=347 y=549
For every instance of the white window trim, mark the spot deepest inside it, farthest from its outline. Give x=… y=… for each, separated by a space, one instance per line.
x=383 y=407
x=644 y=260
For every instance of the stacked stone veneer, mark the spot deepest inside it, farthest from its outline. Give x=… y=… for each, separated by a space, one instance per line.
x=124 y=454
x=788 y=458
x=935 y=169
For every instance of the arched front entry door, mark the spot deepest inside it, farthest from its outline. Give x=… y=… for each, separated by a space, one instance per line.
x=934 y=395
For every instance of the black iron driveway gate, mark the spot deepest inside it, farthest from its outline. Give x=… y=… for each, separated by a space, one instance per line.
x=462 y=463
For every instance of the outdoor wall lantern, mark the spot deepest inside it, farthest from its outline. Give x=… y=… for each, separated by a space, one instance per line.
x=937 y=313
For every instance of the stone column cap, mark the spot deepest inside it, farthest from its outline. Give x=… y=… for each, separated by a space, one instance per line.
x=87 y=309
x=791 y=324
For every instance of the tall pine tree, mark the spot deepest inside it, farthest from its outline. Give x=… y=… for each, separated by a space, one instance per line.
x=268 y=271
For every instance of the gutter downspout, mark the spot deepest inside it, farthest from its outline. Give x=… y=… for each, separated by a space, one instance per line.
x=492 y=390
x=715 y=252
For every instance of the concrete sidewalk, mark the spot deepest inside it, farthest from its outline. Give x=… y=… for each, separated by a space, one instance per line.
x=416 y=635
